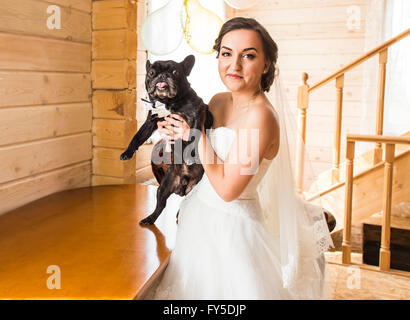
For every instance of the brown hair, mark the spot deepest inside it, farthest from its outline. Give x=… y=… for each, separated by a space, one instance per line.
x=269 y=46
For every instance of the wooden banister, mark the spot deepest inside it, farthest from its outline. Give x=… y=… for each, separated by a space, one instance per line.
x=378 y=138
x=338 y=124
x=377 y=157
x=322 y=193
x=384 y=262
x=360 y=60
x=303 y=103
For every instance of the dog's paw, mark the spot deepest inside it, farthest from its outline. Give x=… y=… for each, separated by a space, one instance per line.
x=126 y=155
x=147 y=221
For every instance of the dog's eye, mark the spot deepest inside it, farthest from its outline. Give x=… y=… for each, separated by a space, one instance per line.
x=151 y=72
x=175 y=72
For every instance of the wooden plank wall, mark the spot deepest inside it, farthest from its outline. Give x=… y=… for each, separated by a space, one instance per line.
x=114 y=50
x=45 y=100
x=315 y=36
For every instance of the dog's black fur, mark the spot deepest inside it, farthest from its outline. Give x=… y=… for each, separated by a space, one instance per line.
x=178 y=176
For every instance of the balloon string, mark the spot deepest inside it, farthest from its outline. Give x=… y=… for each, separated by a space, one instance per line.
x=187 y=22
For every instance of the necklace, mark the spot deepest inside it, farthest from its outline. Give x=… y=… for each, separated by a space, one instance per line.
x=242 y=110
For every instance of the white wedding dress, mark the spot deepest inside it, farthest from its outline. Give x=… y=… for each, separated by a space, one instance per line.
x=222 y=249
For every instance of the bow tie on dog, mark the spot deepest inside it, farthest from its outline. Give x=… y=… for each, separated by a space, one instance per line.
x=166 y=83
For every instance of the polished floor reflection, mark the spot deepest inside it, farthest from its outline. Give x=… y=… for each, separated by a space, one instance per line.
x=89 y=241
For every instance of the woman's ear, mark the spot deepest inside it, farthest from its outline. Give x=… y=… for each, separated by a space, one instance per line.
x=266 y=68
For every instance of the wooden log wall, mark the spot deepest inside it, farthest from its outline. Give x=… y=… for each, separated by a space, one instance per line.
x=318 y=37
x=45 y=99
x=114 y=50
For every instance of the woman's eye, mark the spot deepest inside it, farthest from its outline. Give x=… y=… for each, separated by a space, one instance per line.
x=250 y=56
x=225 y=54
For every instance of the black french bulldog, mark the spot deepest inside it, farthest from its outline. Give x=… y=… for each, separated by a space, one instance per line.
x=166 y=82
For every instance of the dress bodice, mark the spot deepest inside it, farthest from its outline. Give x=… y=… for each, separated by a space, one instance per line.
x=221 y=139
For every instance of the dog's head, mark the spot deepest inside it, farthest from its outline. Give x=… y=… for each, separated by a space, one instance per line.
x=167 y=80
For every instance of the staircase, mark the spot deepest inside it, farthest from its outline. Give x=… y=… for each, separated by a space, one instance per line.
x=368 y=184
x=368 y=194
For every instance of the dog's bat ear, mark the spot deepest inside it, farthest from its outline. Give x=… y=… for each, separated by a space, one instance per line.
x=188 y=63
x=147 y=65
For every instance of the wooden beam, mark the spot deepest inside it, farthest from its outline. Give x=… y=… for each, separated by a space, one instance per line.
x=23 y=160
x=44 y=54
x=23 y=124
x=114 y=44
x=113 y=133
x=32 y=17
x=23 y=191
x=20 y=88
x=113 y=74
x=112 y=104
x=114 y=14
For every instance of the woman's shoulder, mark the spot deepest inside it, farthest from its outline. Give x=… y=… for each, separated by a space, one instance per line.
x=218 y=100
x=263 y=111
x=220 y=95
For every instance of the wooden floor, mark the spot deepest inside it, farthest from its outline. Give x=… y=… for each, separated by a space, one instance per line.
x=363 y=282
x=93 y=236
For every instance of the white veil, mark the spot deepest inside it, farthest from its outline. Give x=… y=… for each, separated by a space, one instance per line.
x=300 y=227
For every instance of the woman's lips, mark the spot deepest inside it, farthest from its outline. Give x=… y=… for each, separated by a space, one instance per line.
x=234 y=76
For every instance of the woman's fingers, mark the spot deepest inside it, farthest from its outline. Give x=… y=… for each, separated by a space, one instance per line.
x=172 y=128
x=172 y=121
x=181 y=128
x=176 y=117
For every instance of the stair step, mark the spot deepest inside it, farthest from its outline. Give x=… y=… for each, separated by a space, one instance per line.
x=399 y=246
x=400 y=219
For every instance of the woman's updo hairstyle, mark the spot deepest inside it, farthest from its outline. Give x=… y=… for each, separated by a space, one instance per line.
x=269 y=46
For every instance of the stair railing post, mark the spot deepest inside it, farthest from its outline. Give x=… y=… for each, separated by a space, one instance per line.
x=377 y=157
x=302 y=104
x=346 y=244
x=384 y=258
x=338 y=129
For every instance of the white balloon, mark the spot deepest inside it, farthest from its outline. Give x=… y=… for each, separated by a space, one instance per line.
x=202 y=27
x=162 y=31
x=241 y=4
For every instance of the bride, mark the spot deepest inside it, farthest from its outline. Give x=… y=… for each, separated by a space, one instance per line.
x=242 y=232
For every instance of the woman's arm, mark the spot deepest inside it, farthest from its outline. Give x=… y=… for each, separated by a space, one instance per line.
x=230 y=178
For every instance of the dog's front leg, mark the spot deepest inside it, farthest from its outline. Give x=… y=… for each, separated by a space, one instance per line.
x=142 y=135
x=164 y=191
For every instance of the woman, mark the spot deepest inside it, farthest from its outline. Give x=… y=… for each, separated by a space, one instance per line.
x=227 y=245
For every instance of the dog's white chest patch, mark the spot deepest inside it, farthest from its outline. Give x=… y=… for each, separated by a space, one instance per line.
x=158 y=108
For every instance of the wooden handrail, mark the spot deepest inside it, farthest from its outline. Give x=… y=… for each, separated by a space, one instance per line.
x=322 y=193
x=360 y=60
x=384 y=260
x=378 y=138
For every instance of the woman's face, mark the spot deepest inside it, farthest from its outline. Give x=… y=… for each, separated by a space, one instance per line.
x=241 y=61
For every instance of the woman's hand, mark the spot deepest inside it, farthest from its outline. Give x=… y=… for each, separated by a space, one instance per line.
x=174 y=127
